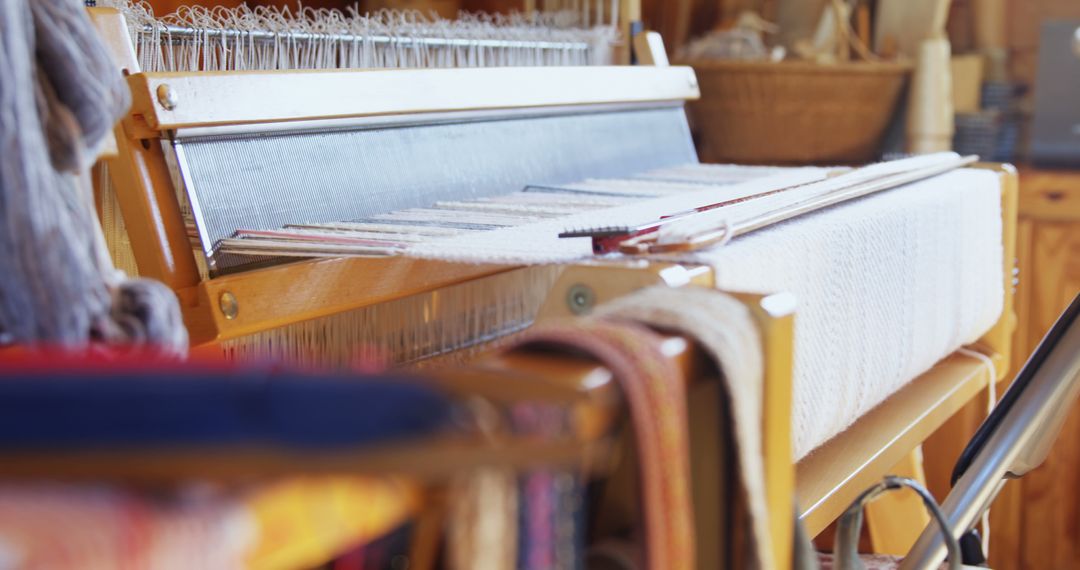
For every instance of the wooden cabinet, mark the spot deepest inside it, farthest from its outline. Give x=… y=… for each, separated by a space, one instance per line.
x=1036 y=520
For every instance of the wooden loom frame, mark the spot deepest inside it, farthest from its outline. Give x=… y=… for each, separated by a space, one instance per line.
x=825 y=481
x=152 y=215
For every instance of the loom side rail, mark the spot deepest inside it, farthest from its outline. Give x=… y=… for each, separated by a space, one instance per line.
x=244 y=303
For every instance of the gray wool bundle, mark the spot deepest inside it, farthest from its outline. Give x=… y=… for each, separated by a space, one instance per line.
x=60 y=95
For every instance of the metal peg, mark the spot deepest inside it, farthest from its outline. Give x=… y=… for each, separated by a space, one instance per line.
x=167 y=97
x=229 y=306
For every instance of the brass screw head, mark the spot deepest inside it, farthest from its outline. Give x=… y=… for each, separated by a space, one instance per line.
x=229 y=306
x=580 y=299
x=167 y=97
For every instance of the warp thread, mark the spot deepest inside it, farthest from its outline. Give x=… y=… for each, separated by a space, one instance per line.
x=60 y=96
x=196 y=38
x=991 y=403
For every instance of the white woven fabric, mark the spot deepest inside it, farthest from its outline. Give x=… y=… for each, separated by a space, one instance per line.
x=539 y=242
x=887 y=286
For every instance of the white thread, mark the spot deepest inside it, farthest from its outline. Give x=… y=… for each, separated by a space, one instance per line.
x=687 y=230
x=279 y=38
x=448 y=323
x=991 y=391
x=727 y=234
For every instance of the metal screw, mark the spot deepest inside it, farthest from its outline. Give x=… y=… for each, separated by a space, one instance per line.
x=229 y=306
x=167 y=97
x=580 y=299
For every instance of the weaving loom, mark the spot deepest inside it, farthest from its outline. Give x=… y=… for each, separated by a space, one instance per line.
x=577 y=33
x=199 y=39
x=490 y=162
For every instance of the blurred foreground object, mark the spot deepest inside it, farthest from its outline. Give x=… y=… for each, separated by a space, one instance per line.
x=60 y=97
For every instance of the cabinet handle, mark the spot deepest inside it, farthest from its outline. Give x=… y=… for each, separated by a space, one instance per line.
x=1054 y=195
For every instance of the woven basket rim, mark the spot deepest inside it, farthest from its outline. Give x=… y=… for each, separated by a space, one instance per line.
x=784 y=67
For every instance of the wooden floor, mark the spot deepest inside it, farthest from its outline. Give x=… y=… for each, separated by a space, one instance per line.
x=1036 y=520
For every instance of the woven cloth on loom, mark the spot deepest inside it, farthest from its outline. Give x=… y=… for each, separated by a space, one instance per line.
x=887 y=284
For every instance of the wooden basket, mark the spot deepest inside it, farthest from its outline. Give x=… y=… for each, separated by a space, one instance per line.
x=794 y=112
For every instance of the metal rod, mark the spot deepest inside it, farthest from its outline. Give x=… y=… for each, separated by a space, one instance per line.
x=174 y=34
x=846 y=194
x=395 y=121
x=1032 y=423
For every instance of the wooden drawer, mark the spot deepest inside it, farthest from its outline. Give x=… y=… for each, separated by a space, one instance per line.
x=1050 y=195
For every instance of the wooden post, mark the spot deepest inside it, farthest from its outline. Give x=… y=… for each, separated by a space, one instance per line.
x=777 y=324
x=141 y=178
x=896 y=520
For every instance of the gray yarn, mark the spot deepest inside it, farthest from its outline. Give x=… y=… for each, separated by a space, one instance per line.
x=60 y=94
